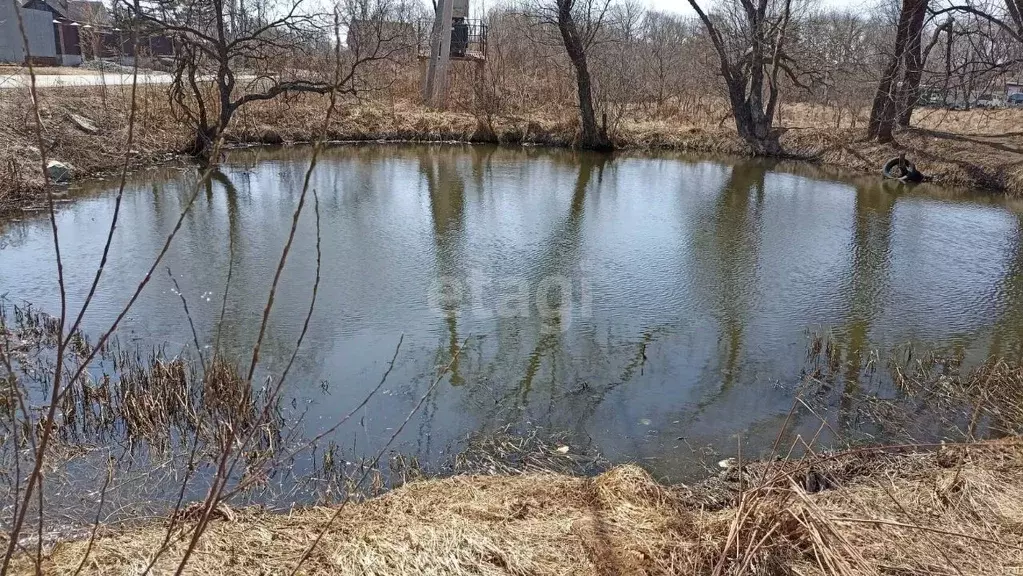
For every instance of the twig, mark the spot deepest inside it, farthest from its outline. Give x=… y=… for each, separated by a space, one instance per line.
x=188 y=316
x=120 y=187
x=189 y=470
x=316 y=287
x=227 y=289
x=226 y=465
x=36 y=474
x=313 y=441
x=376 y=460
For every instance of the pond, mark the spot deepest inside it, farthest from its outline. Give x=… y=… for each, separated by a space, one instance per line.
x=655 y=308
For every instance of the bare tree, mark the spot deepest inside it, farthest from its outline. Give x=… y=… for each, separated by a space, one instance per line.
x=749 y=39
x=1006 y=14
x=663 y=55
x=983 y=42
x=578 y=23
x=916 y=58
x=615 y=63
x=841 y=46
x=904 y=57
x=231 y=54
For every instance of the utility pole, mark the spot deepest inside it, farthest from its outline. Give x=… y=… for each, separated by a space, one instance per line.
x=435 y=87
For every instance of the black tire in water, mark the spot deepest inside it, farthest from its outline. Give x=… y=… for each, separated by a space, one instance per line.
x=906 y=173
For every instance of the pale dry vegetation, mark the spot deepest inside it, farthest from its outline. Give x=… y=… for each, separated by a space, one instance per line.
x=526 y=504
x=974 y=148
x=955 y=510
x=655 y=83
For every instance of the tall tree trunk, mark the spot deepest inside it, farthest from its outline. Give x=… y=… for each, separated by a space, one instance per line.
x=883 y=112
x=779 y=42
x=591 y=136
x=746 y=83
x=201 y=148
x=1015 y=10
x=948 y=66
x=909 y=93
x=752 y=124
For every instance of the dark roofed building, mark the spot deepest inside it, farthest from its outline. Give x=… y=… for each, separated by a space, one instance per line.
x=65 y=36
x=85 y=28
x=57 y=7
x=38 y=29
x=92 y=12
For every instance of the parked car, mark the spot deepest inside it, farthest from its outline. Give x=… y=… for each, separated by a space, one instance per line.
x=986 y=101
x=1015 y=99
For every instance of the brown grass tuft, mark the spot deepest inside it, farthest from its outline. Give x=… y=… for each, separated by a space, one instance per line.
x=953 y=511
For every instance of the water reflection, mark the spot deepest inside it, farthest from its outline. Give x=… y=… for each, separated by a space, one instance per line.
x=700 y=278
x=447 y=204
x=1007 y=340
x=867 y=281
x=737 y=221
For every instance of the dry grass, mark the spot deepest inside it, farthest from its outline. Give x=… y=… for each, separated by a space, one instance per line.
x=949 y=509
x=956 y=510
x=148 y=398
x=907 y=395
x=973 y=148
x=89 y=155
x=986 y=162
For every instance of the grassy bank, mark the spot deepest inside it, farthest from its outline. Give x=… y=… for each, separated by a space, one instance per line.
x=954 y=510
x=967 y=148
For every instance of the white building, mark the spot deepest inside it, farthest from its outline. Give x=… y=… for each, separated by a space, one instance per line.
x=38 y=28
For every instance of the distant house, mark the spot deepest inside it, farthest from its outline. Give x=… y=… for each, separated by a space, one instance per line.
x=1013 y=88
x=85 y=29
x=38 y=29
x=66 y=34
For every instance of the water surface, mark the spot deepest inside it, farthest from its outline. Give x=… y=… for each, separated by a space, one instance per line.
x=678 y=292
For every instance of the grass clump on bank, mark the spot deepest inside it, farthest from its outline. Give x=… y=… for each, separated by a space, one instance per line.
x=953 y=510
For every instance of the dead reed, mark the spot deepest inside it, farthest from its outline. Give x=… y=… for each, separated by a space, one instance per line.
x=951 y=511
x=524 y=503
x=135 y=397
x=907 y=394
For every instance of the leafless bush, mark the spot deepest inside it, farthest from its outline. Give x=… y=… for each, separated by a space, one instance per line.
x=230 y=56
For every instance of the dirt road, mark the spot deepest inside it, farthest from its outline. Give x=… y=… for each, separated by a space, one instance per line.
x=10 y=81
